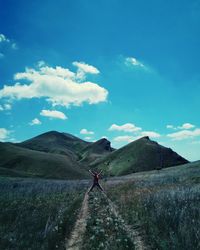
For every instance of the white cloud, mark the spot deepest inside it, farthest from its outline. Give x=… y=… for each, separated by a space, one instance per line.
x=127 y=127
x=84 y=69
x=84 y=131
x=53 y=114
x=170 y=126
x=133 y=61
x=57 y=85
x=41 y=63
x=35 y=121
x=186 y=126
x=184 y=134
x=3 y=38
x=4 y=133
x=124 y=138
x=88 y=138
x=151 y=134
x=104 y=137
x=57 y=71
x=6 y=106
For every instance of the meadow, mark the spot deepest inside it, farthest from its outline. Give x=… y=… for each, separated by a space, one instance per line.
x=164 y=205
x=38 y=214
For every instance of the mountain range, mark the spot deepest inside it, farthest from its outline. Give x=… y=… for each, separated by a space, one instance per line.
x=64 y=156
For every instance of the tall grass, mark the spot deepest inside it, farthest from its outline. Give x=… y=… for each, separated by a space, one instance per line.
x=104 y=230
x=37 y=214
x=167 y=210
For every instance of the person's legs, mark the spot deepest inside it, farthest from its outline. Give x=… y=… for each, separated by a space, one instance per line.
x=93 y=185
x=100 y=187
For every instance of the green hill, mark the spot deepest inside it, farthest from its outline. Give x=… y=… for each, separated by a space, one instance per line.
x=64 y=156
x=140 y=155
x=18 y=161
x=55 y=142
x=95 y=151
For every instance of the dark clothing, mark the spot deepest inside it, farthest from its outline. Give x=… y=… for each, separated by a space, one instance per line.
x=96 y=178
x=96 y=184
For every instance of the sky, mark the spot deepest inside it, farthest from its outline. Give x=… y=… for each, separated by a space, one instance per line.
x=111 y=68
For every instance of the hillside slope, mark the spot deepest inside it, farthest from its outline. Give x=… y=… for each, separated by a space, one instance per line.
x=18 y=161
x=56 y=142
x=95 y=151
x=140 y=155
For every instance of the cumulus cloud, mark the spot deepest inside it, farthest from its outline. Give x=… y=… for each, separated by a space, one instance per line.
x=58 y=86
x=84 y=131
x=186 y=126
x=4 y=133
x=127 y=127
x=151 y=134
x=134 y=62
x=184 y=134
x=53 y=114
x=35 y=121
x=124 y=138
x=86 y=67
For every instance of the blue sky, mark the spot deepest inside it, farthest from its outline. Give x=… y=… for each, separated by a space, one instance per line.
x=115 y=69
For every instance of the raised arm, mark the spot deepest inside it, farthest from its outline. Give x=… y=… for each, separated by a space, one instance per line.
x=100 y=172
x=91 y=172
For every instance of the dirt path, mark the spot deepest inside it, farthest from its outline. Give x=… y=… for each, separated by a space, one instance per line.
x=75 y=241
x=132 y=232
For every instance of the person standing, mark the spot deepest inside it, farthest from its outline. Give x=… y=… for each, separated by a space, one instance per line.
x=96 y=177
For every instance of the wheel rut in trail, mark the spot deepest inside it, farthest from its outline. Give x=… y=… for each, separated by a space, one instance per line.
x=76 y=238
x=131 y=232
x=75 y=241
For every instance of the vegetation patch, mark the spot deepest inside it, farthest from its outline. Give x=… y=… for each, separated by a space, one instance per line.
x=168 y=213
x=104 y=230
x=37 y=215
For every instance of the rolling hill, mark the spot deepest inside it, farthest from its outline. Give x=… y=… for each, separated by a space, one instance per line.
x=58 y=143
x=140 y=155
x=95 y=151
x=64 y=156
x=24 y=162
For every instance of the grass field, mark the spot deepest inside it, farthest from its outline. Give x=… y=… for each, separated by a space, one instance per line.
x=165 y=206
x=104 y=230
x=37 y=214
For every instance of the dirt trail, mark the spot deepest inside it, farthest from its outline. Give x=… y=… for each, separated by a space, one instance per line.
x=132 y=232
x=75 y=241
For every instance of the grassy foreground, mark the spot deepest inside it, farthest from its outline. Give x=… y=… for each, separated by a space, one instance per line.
x=37 y=214
x=104 y=229
x=166 y=206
